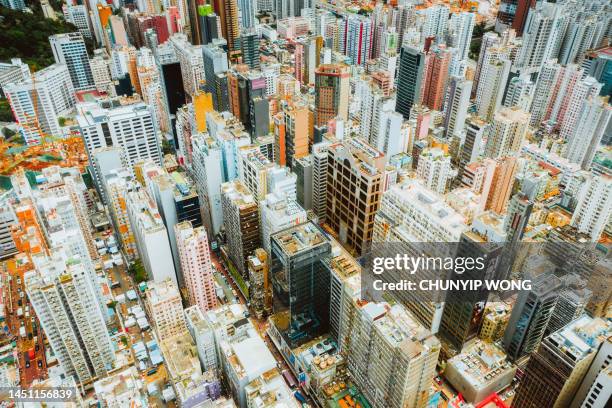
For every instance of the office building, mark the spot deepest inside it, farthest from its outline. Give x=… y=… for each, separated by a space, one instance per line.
x=555 y=371
x=572 y=302
x=300 y=281
x=463 y=310
x=196 y=265
x=530 y=316
x=150 y=236
x=249 y=48
x=494 y=321
x=229 y=20
x=241 y=221
x=331 y=93
x=69 y=49
x=165 y=308
x=410 y=80
x=319 y=180
x=63 y=296
x=355 y=174
x=109 y=123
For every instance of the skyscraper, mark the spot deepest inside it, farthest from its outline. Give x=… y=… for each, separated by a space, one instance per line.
x=588 y=133
x=455 y=112
x=410 y=79
x=355 y=174
x=196 y=265
x=331 y=93
x=436 y=77
x=38 y=103
x=530 y=315
x=107 y=123
x=63 y=297
x=381 y=350
x=69 y=49
x=492 y=84
x=300 y=280
x=228 y=13
x=241 y=220
x=555 y=371
x=594 y=208
x=542 y=34
x=164 y=306
x=249 y=47
x=507 y=132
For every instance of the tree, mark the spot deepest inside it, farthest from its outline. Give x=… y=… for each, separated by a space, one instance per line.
x=26 y=36
x=6 y=114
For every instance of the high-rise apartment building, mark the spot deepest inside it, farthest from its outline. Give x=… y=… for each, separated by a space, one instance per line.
x=63 y=296
x=502 y=184
x=542 y=35
x=592 y=214
x=241 y=221
x=507 y=132
x=38 y=102
x=434 y=168
x=435 y=80
x=355 y=176
x=357 y=38
x=492 y=83
x=191 y=60
x=391 y=356
x=410 y=79
x=207 y=171
x=331 y=93
x=196 y=265
x=590 y=127
x=455 y=112
x=117 y=184
x=165 y=308
x=69 y=49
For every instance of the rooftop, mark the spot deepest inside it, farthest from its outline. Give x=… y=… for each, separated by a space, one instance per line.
x=481 y=364
x=300 y=238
